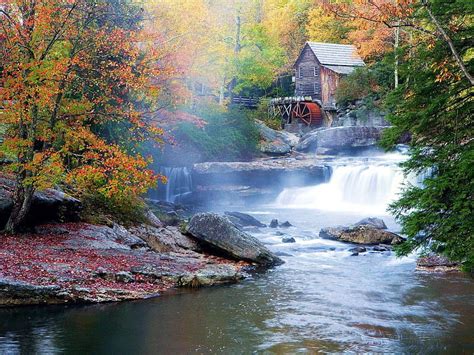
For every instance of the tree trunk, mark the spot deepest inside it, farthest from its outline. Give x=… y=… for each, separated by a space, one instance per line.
x=222 y=92
x=450 y=43
x=396 y=46
x=22 y=200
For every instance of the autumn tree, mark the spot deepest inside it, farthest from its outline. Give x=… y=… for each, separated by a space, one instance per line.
x=68 y=68
x=326 y=26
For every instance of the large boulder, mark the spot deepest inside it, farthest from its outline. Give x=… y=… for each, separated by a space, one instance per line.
x=275 y=142
x=50 y=205
x=339 y=139
x=363 y=234
x=218 y=232
x=243 y=220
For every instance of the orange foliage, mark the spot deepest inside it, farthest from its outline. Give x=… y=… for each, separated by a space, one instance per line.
x=373 y=22
x=66 y=68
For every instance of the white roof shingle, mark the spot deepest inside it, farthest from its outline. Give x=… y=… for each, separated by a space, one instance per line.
x=336 y=54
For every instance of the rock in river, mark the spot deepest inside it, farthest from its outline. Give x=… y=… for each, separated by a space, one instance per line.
x=288 y=240
x=219 y=232
x=363 y=234
x=437 y=263
x=274 y=223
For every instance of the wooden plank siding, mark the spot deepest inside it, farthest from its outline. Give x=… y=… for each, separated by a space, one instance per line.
x=307 y=75
x=329 y=83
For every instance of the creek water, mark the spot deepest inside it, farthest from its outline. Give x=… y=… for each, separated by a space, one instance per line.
x=321 y=300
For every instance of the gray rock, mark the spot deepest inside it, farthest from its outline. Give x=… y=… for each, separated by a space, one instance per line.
x=152 y=219
x=288 y=240
x=213 y=274
x=50 y=205
x=275 y=142
x=286 y=224
x=274 y=223
x=51 y=229
x=220 y=233
x=121 y=235
x=363 y=234
x=337 y=139
x=358 y=250
x=243 y=219
x=437 y=263
x=380 y=248
x=281 y=253
x=165 y=239
x=16 y=293
x=372 y=221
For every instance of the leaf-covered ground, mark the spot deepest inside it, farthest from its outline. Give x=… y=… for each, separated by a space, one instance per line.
x=88 y=263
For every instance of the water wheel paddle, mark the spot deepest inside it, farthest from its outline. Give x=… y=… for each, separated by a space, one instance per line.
x=308 y=112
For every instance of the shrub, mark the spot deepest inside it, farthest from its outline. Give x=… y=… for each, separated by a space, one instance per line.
x=229 y=134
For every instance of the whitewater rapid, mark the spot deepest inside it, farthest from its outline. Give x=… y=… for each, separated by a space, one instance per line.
x=356 y=185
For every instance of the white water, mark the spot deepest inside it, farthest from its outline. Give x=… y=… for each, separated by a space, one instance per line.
x=367 y=186
x=179 y=183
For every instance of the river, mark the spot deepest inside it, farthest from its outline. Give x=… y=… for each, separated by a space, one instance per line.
x=321 y=300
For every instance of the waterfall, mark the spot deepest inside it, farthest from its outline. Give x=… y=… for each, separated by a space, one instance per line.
x=357 y=187
x=179 y=184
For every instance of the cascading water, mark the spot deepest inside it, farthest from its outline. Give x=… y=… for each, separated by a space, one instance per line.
x=355 y=185
x=179 y=184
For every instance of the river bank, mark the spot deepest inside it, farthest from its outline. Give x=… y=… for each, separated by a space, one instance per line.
x=78 y=262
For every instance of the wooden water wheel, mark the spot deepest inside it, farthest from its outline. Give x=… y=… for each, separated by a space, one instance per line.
x=308 y=112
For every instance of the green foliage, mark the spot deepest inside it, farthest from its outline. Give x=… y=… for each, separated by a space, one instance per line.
x=258 y=61
x=98 y=209
x=261 y=113
x=435 y=105
x=228 y=135
x=369 y=84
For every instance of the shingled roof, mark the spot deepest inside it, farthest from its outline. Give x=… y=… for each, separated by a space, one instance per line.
x=331 y=54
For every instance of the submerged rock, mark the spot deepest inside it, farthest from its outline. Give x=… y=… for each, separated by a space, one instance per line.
x=288 y=240
x=363 y=234
x=372 y=221
x=243 y=219
x=381 y=248
x=219 y=232
x=286 y=224
x=358 y=250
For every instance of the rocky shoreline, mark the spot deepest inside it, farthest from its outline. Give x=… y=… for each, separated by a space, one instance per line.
x=84 y=263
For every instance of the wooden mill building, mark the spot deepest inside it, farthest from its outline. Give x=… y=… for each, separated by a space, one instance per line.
x=319 y=68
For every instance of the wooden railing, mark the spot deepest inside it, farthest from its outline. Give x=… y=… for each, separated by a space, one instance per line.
x=249 y=102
